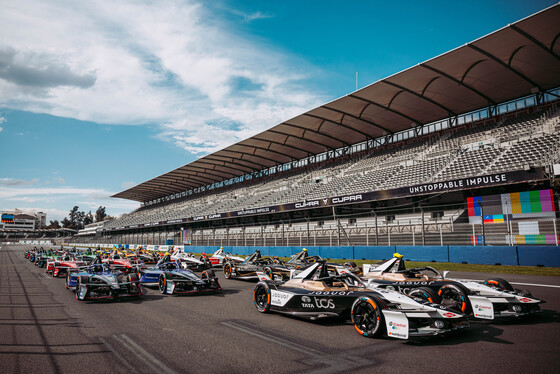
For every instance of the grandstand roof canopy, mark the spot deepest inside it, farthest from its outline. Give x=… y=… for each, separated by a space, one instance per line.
x=518 y=60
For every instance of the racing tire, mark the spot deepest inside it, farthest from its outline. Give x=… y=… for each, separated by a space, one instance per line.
x=67 y=280
x=163 y=282
x=425 y=293
x=261 y=297
x=82 y=279
x=134 y=286
x=208 y=274
x=455 y=297
x=367 y=316
x=498 y=283
x=268 y=272
x=227 y=270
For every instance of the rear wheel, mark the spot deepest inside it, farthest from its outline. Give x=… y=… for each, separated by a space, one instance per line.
x=498 y=283
x=454 y=297
x=227 y=270
x=367 y=316
x=425 y=293
x=261 y=297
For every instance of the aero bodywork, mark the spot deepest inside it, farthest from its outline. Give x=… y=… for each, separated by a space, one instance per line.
x=314 y=294
x=171 y=279
x=98 y=281
x=493 y=298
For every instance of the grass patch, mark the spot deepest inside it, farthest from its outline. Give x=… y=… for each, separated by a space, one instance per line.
x=449 y=266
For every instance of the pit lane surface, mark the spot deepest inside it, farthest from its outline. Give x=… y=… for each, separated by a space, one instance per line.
x=43 y=328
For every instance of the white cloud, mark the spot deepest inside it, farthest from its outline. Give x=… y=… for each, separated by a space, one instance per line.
x=152 y=62
x=1 y=129
x=17 y=182
x=86 y=198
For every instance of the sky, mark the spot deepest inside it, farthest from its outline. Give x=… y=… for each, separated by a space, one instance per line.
x=98 y=96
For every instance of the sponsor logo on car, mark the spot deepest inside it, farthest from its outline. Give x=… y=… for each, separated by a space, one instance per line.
x=395 y=325
x=482 y=307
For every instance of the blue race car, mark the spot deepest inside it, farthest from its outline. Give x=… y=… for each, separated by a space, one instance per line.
x=99 y=281
x=171 y=279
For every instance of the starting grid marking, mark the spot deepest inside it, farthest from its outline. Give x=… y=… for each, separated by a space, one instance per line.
x=155 y=365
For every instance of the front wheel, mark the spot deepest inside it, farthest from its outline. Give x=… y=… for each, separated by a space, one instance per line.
x=227 y=270
x=163 y=282
x=367 y=316
x=455 y=297
x=498 y=283
x=82 y=288
x=424 y=293
x=261 y=297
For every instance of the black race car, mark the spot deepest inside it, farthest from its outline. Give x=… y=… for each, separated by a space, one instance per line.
x=250 y=266
x=315 y=293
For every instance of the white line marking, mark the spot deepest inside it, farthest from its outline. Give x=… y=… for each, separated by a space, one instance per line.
x=535 y=284
x=118 y=355
x=145 y=355
x=521 y=284
x=280 y=341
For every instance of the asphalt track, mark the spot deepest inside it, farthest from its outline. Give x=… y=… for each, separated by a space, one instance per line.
x=44 y=329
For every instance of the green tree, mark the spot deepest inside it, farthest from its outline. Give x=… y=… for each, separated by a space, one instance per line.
x=66 y=223
x=88 y=219
x=53 y=225
x=100 y=214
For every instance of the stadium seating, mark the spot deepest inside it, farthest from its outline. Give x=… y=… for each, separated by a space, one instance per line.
x=496 y=145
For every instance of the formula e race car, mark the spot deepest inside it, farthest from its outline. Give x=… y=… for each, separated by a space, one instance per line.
x=315 y=293
x=490 y=299
x=98 y=281
x=220 y=257
x=189 y=261
x=249 y=267
x=171 y=279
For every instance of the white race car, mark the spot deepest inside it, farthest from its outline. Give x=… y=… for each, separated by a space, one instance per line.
x=220 y=257
x=493 y=298
x=189 y=261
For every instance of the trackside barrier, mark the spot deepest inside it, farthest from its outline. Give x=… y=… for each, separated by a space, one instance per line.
x=373 y=253
x=487 y=255
x=538 y=255
x=524 y=255
x=424 y=253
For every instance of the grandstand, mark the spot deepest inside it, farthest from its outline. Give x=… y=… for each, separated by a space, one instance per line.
x=392 y=163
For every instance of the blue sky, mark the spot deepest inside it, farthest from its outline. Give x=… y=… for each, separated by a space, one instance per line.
x=98 y=96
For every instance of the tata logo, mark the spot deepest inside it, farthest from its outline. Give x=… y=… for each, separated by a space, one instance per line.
x=345 y=199
x=307 y=204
